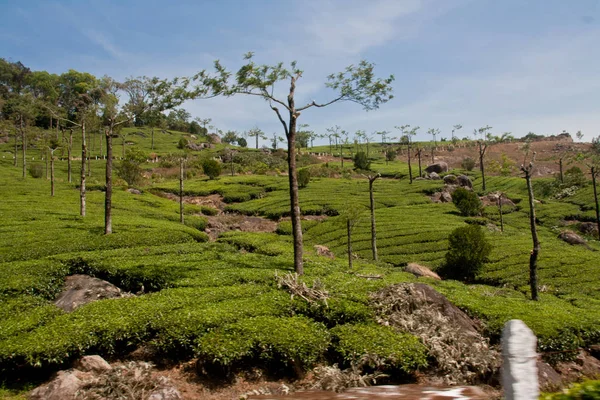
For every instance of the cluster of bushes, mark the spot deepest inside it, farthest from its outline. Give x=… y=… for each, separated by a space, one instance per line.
x=467 y=202
x=572 y=180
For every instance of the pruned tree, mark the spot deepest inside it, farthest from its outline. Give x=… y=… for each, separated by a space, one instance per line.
x=357 y=83
x=256 y=133
x=591 y=159
x=418 y=152
x=334 y=134
x=407 y=137
x=52 y=147
x=482 y=144
x=533 y=281
x=350 y=215
x=433 y=132
x=455 y=128
x=372 y=179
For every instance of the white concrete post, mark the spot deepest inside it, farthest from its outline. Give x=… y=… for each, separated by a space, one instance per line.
x=519 y=369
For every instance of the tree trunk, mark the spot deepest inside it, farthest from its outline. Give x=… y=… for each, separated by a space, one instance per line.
x=83 y=157
x=256 y=142
x=23 y=146
x=560 y=167
x=52 y=174
x=367 y=149
x=342 y=154
x=349 y=241
x=409 y=166
x=330 y=147
x=69 y=149
x=500 y=210
x=108 y=192
x=181 y=190
x=432 y=155
x=294 y=202
x=101 y=141
x=16 y=162
x=481 y=167
x=419 y=154
x=373 y=228
x=594 y=172
x=536 y=243
x=47 y=154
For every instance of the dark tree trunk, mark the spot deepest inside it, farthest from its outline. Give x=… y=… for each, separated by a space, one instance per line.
x=108 y=193
x=533 y=281
x=256 y=142
x=342 y=154
x=181 y=190
x=409 y=166
x=419 y=155
x=373 y=228
x=294 y=201
x=560 y=168
x=16 y=162
x=330 y=147
x=500 y=210
x=23 y=146
x=594 y=172
x=482 y=149
x=52 y=174
x=69 y=149
x=83 y=159
x=349 y=240
x=46 y=158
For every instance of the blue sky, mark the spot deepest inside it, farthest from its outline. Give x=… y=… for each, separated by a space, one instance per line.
x=516 y=65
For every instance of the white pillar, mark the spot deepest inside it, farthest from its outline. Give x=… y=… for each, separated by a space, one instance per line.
x=519 y=369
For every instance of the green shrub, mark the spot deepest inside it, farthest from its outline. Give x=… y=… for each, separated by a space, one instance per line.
x=390 y=154
x=212 y=168
x=361 y=161
x=468 y=163
x=588 y=390
x=467 y=251
x=182 y=144
x=36 y=170
x=242 y=142
x=130 y=169
x=467 y=202
x=379 y=345
x=303 y=177
x=288 y=342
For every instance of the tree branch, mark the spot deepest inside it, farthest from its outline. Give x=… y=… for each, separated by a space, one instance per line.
x=265 y=95
x=314 y=104
x=285 y=128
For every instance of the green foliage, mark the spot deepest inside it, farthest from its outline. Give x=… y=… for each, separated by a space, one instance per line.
x=182 y=144
x=242 y=142
x=36 y=170
x=467 y=202
x=468 y=163
x=130 y=169
x=361 y=161
x=468 y=250
x=303 y=177
x=380 y=345
x=288 y=342
x=588 y=390
x=212 y=168
x=390 y=154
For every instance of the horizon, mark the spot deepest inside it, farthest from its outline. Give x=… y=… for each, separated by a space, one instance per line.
x=517 y=67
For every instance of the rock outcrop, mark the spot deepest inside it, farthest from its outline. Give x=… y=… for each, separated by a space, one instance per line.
x=83 y=289
x=438 y=167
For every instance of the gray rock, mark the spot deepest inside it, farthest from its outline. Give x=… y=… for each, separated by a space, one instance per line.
x=438 y=167
x=93 y=364
x=446 y=197
x=83 y=289
x=464 y=181
x=573 y=239
x=434 y=176
x=450 y=179
x=134 y=191
x=419 y=270
x=63 y=387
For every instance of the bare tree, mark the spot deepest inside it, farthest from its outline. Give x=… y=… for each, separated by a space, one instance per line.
x=454 y=129
x=533 y=281
x=356 y=83
x=372 y=179
x=482 y=144
x=433 y=132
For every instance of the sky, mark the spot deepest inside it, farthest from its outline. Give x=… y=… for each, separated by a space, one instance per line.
x=518 y=66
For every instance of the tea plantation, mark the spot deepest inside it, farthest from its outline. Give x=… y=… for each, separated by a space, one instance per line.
x=220 y=301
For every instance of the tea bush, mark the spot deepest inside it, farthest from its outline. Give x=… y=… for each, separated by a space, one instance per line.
x=468 y=250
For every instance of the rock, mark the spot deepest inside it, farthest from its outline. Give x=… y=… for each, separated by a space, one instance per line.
x=63 y=387
x=92 y=364
x=584 y=366
x=83 y=289
x=446 y=197
x=588 y=228
x=573 y=239
x=134 y=191
x=548 y=378
x=165 y=393
x=450 y=179
x=434 y=176
x=438 y=167
x=324 y=251
x=214 y=138
x=492 y=200
x=464 y=181
x=419 y=270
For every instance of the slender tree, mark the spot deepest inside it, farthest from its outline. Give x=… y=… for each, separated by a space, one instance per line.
x=256 y=133
x=454 y=129
x=433 y=132
x=333 y=133
x=52 y=147
x=482 y=144
x=418 y=152
x=372 y=179
x=533 y=281
x=357 y=83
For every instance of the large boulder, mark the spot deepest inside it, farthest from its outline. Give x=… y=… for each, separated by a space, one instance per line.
x=214 y=138
x=438 y=167
x=92 y=364
x=465 y=181
x=450 y=179
x=64 y=386
x=573 y=239
x=433 y=176
x=588 y=228
x=83 y=289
